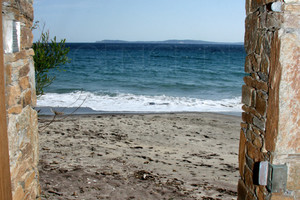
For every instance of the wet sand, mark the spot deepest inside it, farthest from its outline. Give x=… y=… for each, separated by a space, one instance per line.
x=139 y=156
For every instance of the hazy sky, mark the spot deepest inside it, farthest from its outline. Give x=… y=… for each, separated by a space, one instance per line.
x=142 y=20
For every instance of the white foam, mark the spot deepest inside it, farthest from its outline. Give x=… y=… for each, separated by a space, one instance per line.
x=139 y=103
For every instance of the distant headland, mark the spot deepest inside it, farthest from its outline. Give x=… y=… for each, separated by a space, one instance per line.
x=170 y=42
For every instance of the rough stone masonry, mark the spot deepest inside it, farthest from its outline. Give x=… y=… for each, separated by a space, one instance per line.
x=20 y=98
x=271 y=97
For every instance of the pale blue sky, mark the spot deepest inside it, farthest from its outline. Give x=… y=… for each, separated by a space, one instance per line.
x=142 y=20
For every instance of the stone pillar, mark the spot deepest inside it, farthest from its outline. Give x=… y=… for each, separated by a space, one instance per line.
x=20 y=98
x=271 y=97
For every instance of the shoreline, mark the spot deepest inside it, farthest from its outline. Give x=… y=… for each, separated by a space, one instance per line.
x=71 y=111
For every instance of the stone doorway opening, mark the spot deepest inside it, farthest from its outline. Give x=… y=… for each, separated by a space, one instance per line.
x=176 y=156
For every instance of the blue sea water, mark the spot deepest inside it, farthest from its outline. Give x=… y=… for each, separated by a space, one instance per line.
x=150 y=77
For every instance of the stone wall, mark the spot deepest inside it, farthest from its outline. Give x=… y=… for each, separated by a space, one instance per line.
x=20 y=98
x=271 y=97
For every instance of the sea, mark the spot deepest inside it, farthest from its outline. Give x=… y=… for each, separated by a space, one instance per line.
x=149 y=77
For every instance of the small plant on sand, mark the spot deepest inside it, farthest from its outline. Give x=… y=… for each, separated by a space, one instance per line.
x=49 y=54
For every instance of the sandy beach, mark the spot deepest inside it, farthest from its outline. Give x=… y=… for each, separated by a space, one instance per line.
x=139 y=156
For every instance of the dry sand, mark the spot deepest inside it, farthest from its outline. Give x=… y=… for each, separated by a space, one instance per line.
x=145 y=156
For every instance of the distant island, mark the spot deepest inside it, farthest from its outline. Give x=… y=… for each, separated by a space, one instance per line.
x=169 y=42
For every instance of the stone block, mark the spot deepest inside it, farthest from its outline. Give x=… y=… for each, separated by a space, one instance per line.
x=251 y=35
x=255 y=4
x=254 y=61
x=247 y=117
x=256 y=64
x=27 y=151
x=249 y=179
x=267 y=44
x=27 y=98
x=249 y=81
x=247 y=95
x=242 y=151
x=8 y=74
x=252 y=151
x=261 y=105
x=29 y=179
x=261 y=192
x=24 y=70
x=259 y=123
x=242 y=190
x=22 y=170
x=251 y=110
x=273 y=21
x=15 y=109
x=263 y=94
x=260 y=85
x=291 y=21
x=289 y=90
x=293 y=182
x=249 y=135
x=24 y=83
x=8 y=58
x=33 y=98
x=30 y=52
x=281 y=197
x=26 y=38
x=259 y=45
x=263 y=76
x=257 y=131
x=273 y=100
x=258 y=142
x=244 y=126
x=249 y=162
x=251 y=196
x=19 y=193
x=21 y=55
x=248 y=6
x=252 y=82
x=13 y=95
x=248 y=65
x=292 y=8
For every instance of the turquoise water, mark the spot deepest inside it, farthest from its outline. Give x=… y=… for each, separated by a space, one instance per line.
x=150 y=77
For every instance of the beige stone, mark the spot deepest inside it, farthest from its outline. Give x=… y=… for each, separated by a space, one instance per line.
x=9 y=57
x=8 y=74
x=19 y=193
x=289 y=104
x=292 y=8
x=24 y=83
x=293 y=182
x=27 y=98
x=29 y=180
x=20 y=55
x=281 y=197
x=15 y=109
x=27 y=38
x=14 y=93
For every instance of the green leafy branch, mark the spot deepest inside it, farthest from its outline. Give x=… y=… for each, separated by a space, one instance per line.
x=49 y=54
